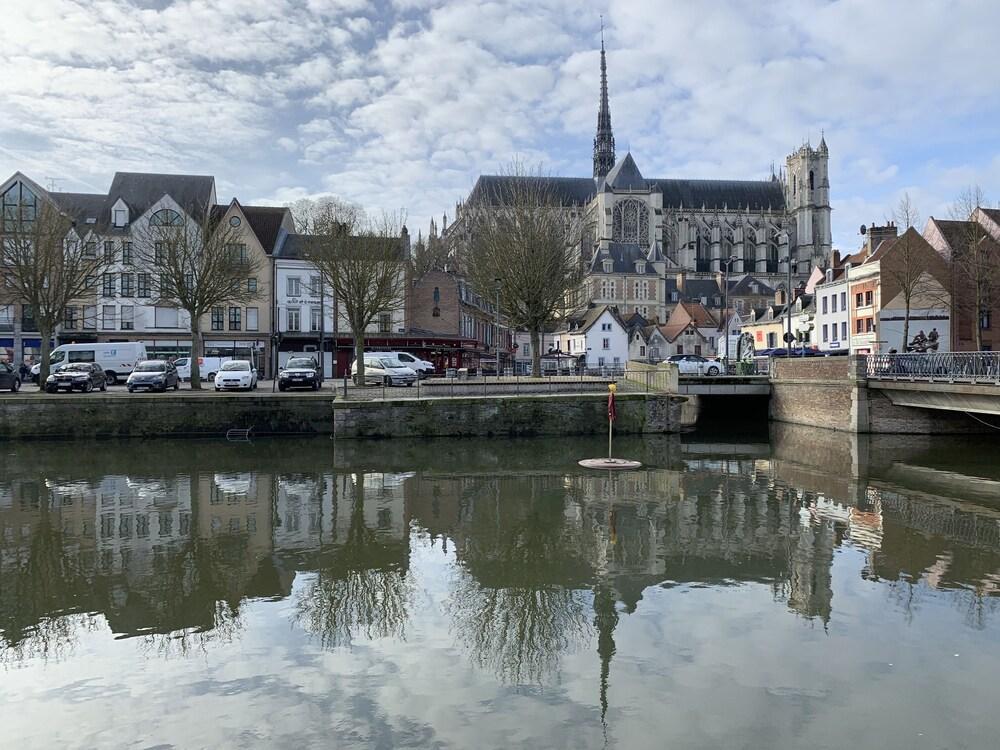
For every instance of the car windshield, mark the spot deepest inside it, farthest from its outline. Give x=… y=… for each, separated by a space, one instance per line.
x=238 y=366
x=387 y=363
x=301 y=362
x=76 y=367
x=180 y=363
x=676 y=358
x=150 y=367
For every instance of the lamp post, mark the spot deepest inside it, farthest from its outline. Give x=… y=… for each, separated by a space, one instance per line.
x=788 y=304
x=725 y=310
x=496 y=341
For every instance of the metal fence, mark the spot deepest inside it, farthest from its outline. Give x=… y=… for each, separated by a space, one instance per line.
x=968 y=367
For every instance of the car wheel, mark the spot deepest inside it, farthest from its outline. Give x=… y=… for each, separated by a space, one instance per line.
x=211 y=376
x=15 y=386
x=282 y=387
x=131 y=389
x=713 y=370
x=88 y=387
x=217 y=389
x=50 y=390
x=409 y=385
x=110 y=378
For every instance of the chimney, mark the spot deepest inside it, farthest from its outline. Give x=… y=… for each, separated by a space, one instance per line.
x=836 y=259
x=877 y=234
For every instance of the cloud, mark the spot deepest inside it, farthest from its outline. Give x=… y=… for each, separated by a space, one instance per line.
x=405 y=103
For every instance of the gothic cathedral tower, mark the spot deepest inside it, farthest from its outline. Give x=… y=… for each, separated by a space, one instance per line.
x=807 y=200
x=604 y=141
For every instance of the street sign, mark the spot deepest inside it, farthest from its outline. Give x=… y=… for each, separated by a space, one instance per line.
x=789 y=337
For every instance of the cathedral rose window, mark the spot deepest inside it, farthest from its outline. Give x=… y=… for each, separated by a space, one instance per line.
x=630 y=221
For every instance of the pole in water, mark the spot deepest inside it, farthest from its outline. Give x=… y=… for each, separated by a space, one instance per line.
x=609 y=462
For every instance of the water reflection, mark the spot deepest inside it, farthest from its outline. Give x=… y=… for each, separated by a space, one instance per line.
x=537 y=561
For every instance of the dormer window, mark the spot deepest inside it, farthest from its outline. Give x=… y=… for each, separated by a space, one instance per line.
x=120 y=217
x=607 y=266
x=829 y=275
x=640 y=266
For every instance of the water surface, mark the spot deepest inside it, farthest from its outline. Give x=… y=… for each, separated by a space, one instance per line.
x=800 y=589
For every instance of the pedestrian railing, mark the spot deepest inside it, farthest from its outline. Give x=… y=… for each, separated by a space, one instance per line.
x=963 y=367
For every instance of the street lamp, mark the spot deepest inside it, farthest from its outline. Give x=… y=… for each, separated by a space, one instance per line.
x=496 y=342
x=788 y=304
x=725 y=309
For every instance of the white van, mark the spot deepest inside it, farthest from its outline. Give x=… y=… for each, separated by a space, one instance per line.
x=422 y=367
x=207 y=367
x=116 y=359
x=382 y=367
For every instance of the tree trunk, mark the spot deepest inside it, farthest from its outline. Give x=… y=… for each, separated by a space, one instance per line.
x=43 y=367
x=359 y=354
x=906 y=326
x=977 y=326
x=197 y=352
x=536 y=353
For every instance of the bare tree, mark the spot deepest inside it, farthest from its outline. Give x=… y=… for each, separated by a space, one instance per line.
x=975 y=263
x=363 y=260
x=45 y=269
x=202 y=263
x=525 y=243
x=313 y=215
x=908 y=269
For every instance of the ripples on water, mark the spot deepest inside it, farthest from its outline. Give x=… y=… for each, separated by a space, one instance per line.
x=804 y=590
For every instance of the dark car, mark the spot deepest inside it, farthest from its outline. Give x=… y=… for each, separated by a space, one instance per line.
x=153 y=375
x=10 y=380
x=299 y=372
x=77 y=376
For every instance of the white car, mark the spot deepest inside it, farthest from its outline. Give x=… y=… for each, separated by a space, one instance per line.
x=381 y=369
x=236 y=375
x=422 y=367
x=694 y=364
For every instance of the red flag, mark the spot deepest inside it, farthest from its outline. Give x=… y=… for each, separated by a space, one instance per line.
x=612 y=414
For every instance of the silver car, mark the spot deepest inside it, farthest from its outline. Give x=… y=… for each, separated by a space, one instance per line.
x=384 y=371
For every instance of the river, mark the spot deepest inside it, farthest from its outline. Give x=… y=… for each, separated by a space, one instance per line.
x=791 y=589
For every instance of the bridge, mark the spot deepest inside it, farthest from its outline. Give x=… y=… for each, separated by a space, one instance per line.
x=724 y=385
x=967 y=382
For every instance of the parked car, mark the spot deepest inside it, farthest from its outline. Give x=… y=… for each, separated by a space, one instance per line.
x=299 y=372
x=10 y=379
x=153 y=375
x=694 y=364
x=422 y=367
x=236 y=375
x=117 y=360
x=77 y=376
x=385 y=370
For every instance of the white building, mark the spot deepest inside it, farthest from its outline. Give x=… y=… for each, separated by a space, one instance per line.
x=598 y=338
x=833 y=317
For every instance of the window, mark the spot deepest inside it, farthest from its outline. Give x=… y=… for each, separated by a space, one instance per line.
x=142 y=284
x=166 y=217
x=128 y=317
x=630 y=221
x=869 y=325
x=89 y=317
x=159 y=253
x=642 y=351
x=126 y=282
x=384 y=322
x=833 y=303
x=984 y=319
x=833 y=332
x=235 y=318
x=605 y=343
x=165 y=317
x=600 y=361
x=165 y=286
x=218 y=315
x=127 y=258
x=189 y=281
x=859 y=299
x=843 y=330
x=251 y=318
x=868 y=299
x=315 y=287
x=90 y=282
x=252 y=285
x=108 y=317
x=109 y=251
x=238 y=253
x=90 y=250
x=843 y=301
x=70 y=318
x=293 y=319
x=824 y=327
x=107 y=285
x=121 y=217
x=314 y=318
x=859 y=326
x=19 y=203
x=294 y=288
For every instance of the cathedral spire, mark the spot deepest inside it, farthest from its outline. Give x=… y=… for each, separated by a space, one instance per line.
x=604 y=141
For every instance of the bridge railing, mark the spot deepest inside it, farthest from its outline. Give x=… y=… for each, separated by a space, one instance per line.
x=965 y=367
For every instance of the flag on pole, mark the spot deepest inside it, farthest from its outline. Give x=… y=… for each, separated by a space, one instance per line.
x=612 y=415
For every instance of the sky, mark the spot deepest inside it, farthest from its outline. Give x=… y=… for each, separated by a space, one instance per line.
x=401 y=104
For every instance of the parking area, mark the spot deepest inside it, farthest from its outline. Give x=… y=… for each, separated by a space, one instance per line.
x=265 y=387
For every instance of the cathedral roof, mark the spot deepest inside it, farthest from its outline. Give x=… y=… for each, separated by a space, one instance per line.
x=625 y=175
x=623 y=256
x=497 y=189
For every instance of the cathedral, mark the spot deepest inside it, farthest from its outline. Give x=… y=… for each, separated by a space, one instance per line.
x=654 y=242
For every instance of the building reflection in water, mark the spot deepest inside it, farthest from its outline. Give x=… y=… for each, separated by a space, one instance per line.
x=546 y=560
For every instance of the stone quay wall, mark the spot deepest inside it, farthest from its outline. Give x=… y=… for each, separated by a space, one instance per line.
x=162 y=415
x=574 y=414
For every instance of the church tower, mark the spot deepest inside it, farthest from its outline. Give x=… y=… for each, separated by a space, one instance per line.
x=604 y=141
x=807 y=199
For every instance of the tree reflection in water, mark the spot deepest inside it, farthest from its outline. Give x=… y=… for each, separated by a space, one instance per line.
x=361 y=586
x=520 y=601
